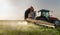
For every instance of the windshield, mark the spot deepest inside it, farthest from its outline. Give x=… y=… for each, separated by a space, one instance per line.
x=46 y=14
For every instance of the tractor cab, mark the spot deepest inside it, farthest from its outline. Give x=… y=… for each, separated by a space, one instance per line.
x=44 y=15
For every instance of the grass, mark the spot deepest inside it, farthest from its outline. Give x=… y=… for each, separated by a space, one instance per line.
x=45 y=31
x=30 y=29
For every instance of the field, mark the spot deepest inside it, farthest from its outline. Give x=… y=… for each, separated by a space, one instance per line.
x=17 y=27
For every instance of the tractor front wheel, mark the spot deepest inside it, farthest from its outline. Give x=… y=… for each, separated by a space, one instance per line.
x=57 y=23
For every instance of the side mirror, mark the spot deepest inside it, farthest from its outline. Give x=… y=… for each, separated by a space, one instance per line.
x=51 y=11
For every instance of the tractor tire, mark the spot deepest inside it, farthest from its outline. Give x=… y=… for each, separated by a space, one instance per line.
x=56 y=23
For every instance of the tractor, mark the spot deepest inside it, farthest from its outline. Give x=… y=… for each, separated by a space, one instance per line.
x=45 y=16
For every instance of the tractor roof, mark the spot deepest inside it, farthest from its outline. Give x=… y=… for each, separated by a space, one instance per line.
x=43 y=10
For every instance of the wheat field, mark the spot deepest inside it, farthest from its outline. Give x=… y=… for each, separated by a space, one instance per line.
x=21 y=27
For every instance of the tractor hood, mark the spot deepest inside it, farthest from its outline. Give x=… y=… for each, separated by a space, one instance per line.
x=53 y=18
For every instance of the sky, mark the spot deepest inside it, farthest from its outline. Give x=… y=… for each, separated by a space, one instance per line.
x=14 y=9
